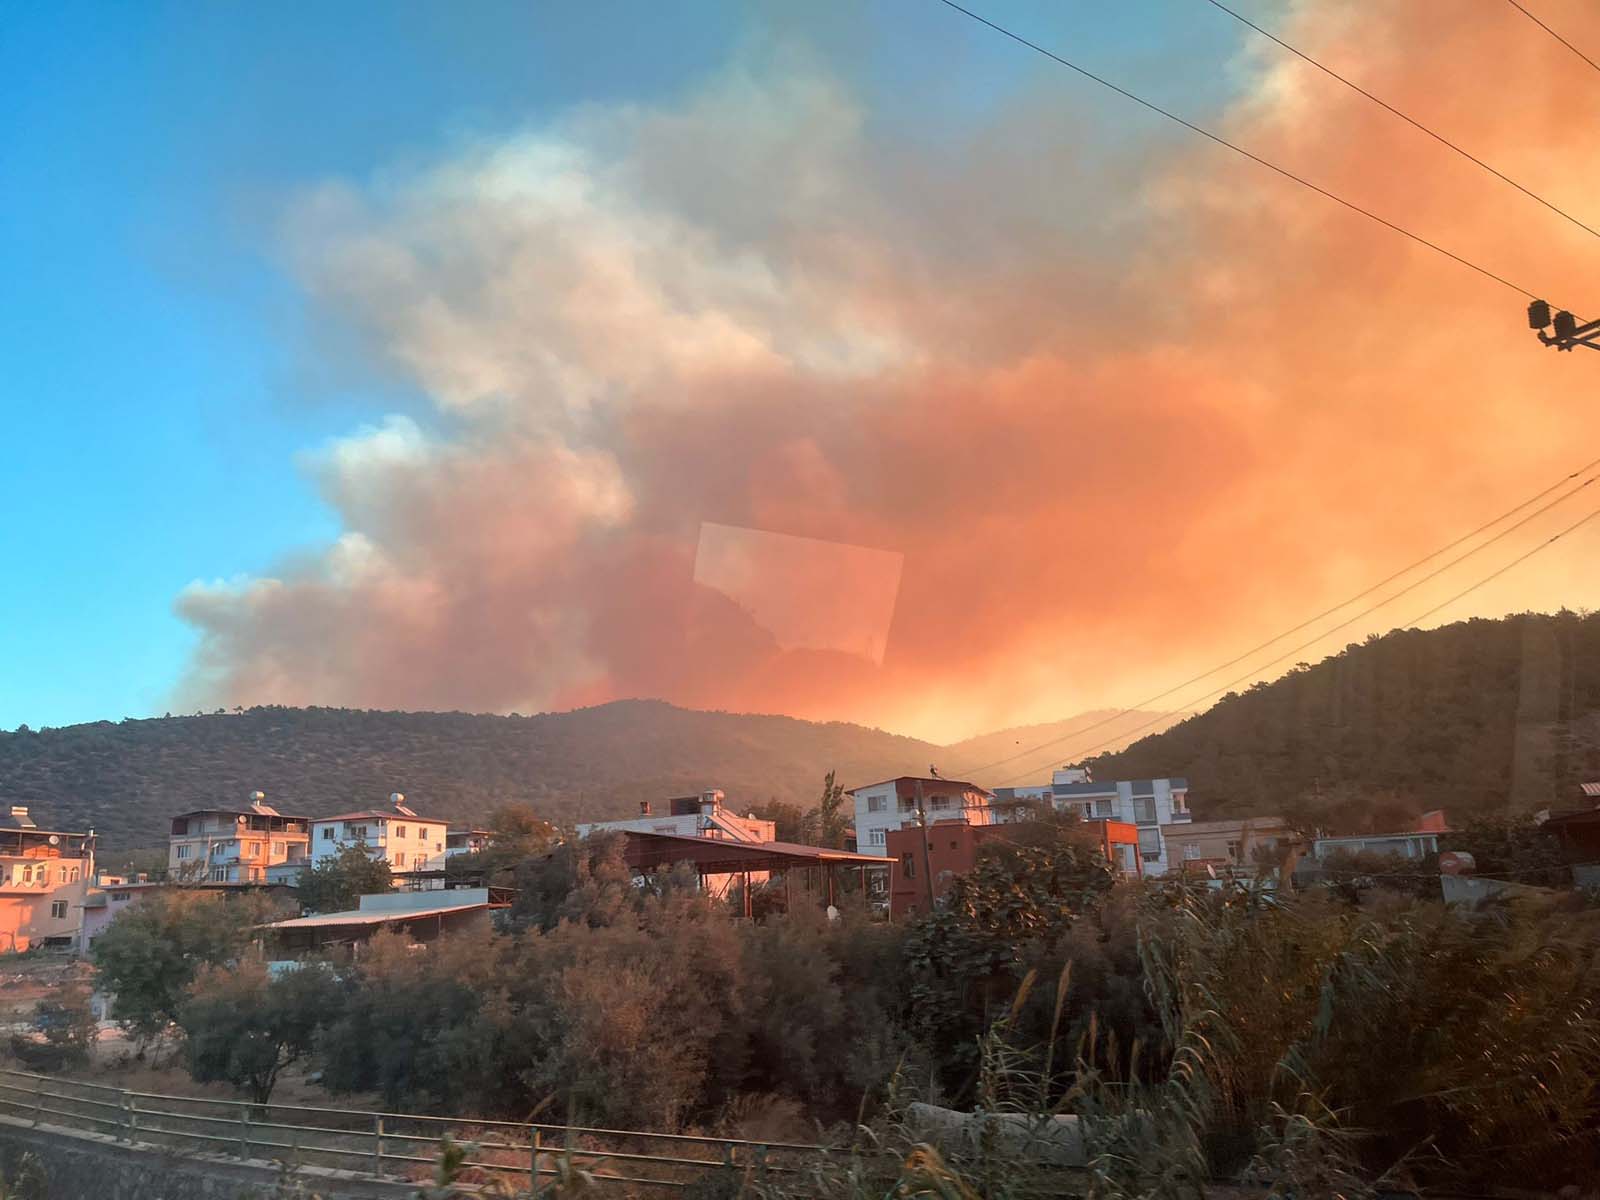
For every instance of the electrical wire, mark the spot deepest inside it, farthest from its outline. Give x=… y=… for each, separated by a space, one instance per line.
x=1254 y=671
x=1240 y=150
x=1438 y=137
x=1556 y=537
x=1554 y=34
x=1327 y=612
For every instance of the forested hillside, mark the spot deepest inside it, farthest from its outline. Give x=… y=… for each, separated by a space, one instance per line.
x=1474 y=717
x=126 y=778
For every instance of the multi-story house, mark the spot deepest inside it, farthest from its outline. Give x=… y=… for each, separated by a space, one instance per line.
x=892 y=803
x=1242 y=842
x=235 y=845
x=466 y=841
x=1159 y=807
x=104 y=902
x=44 y=876
x=702 y=815
x=408 y=841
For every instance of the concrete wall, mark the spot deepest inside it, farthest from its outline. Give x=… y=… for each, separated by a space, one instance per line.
x=78 y=1165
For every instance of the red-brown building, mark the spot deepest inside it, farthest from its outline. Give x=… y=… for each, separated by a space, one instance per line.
x=952 y=849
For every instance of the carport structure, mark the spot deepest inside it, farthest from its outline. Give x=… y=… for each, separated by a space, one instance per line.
x=725 y=856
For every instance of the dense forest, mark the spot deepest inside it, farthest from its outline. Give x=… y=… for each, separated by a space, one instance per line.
x=126 y=778
x=1476 y=717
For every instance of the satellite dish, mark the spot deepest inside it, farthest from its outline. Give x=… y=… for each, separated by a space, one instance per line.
x=54 y=840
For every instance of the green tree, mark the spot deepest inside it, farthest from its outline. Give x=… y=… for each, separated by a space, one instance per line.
x=338 y=882
x=969 y=955
x=827 y=824
x=150 y=954
x=66 y=1019
x=516 y=832
x=243 y=1025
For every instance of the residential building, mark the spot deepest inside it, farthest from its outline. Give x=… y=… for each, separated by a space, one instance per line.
x=408 y=841
x=235 y=845
x=1240 y=842
x=702 y=815
x=1415 y=843
x=108 y=899
x=1159 y=807
x=44 y=876
x=892 y=803
x=930 y=859
x=465 y=841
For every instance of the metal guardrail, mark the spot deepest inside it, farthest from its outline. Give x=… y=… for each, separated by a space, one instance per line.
x=388 y=1146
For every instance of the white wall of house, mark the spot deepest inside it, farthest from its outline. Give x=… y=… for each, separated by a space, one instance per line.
x=1159 y=807
x=408 y=843
x=883 y=806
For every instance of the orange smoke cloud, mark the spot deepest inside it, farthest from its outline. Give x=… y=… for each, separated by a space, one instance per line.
x=1115 y=430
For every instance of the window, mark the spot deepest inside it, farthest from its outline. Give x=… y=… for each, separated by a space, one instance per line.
x=254 y=849
x=1233 y=850
x=876 y=803
x=422 y=832
x=219 y=874
x=327 y=833
x=1150 y=844
x=1105 y=808
x=122 y=897
x=907 y=804
x=952 y=844
x=1191 y=851
x=400 y=831
x=58 y=909
x=908 y=864
x=359 y=832
x=277 y=849
x=1144 y=810
x=400 y=860
x=1180 y=802
x=185 y=851
x=73 y=878
x=939 y=802
x=61 y=874
x=875 y=837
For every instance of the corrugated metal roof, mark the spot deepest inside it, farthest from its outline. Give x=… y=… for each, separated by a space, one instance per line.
x=374 y=814
x=369 y=917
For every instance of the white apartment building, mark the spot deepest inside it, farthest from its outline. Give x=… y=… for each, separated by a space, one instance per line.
x=1159 y=807
x=702 y=815
x=409 y=842
x=893 y=803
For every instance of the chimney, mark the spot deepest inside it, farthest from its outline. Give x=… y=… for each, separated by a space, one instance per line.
x=20 y=817
x=644 y=808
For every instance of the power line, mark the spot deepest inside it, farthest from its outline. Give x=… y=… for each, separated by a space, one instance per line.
x=1440 y=138
x=1556 y=537
x=1237 y=149
x=1554 y=34
x=1368 y=611
x=1327 y=612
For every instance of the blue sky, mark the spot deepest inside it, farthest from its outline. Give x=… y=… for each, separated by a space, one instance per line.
x=160 y=381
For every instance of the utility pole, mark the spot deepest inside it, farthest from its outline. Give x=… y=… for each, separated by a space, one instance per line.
x=927 y=857
x=1568 y=331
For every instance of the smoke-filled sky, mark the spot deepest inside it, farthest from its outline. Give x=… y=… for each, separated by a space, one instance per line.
x=845 y=362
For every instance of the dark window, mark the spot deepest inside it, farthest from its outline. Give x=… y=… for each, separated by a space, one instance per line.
x=908 y=865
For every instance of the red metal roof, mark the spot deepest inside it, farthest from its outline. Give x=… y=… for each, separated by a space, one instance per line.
x=906 y=785
x=374 y=814
x=721 y=856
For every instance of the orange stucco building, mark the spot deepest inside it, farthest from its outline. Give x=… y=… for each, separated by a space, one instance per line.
x=44 y=877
